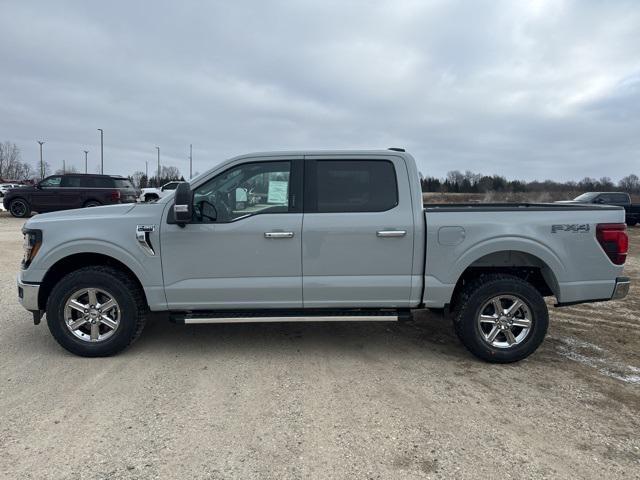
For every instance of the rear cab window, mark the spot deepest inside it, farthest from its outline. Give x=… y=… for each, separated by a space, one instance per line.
x=334 y=186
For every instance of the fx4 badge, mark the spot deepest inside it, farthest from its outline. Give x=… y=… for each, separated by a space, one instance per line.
x=574 y=227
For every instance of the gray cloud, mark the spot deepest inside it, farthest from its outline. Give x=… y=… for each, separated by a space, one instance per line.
x=544 y=89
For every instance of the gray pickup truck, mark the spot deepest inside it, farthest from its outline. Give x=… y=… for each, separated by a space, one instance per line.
x=317 y=236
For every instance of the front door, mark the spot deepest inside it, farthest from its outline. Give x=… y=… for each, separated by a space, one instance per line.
x=243 y=248
x=358 y=234
x=47 y=195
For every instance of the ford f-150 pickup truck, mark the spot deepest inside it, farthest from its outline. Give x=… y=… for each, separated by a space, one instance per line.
x=317 y=236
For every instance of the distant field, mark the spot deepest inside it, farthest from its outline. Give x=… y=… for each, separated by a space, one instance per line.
x=535 y=197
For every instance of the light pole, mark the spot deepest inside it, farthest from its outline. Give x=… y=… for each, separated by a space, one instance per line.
x=64 y=167
x=146 y=169
x=41 y=164
x=158 y=148
x=190 y=161
x=85 y=160
x=101 y=151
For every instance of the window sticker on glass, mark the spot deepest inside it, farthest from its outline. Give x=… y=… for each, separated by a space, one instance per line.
x=277 y=192
x=241 y=194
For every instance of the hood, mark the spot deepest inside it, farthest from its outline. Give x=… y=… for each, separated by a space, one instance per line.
x=106 y=211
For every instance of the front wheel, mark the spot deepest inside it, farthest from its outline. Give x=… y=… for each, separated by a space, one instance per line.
x=96 y=311
x=19 y=208
x=632 y=222
x=92 y=203
x=501 y=318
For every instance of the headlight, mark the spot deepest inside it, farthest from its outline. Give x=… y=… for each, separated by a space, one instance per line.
x=32 y=242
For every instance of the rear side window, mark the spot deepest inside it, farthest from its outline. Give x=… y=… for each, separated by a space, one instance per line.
x=98 y=182
x=123 y=183
x=619 y=198
x=351 y=186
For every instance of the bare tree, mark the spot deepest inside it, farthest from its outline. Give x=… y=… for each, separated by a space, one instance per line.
x=136 y=179
x=630 y=183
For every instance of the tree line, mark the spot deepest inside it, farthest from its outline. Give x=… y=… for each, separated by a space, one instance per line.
x=470 y=182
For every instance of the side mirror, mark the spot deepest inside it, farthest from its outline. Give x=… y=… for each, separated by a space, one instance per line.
x=183 y=206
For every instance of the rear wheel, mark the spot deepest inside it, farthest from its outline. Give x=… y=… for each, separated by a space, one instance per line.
x=501 y=318
x=96 y=311
x=632 y=222
x=19 y=208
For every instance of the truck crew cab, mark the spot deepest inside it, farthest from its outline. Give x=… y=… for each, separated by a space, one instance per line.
x=320 y=236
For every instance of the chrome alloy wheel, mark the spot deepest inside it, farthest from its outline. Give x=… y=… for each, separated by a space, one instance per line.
x=505 y=321
x=91 y=314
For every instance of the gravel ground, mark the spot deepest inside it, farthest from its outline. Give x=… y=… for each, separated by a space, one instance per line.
x=361 y=400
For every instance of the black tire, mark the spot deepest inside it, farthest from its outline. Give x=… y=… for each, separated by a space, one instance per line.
x=476 y=294
x=151 y=197
x=123 y=289
x=632 y=222
x=92 y=203
x=19 y=208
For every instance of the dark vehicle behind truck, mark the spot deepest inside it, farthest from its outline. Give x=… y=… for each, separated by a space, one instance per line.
x=620 y=199
x=64 y=192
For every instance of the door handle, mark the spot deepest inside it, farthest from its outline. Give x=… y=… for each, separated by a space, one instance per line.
x=391 y=233
x=278 y=234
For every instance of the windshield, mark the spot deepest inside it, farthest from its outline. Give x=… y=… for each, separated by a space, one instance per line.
x=585 y=197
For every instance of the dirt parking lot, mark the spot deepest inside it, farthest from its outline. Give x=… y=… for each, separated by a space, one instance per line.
x=361 y=400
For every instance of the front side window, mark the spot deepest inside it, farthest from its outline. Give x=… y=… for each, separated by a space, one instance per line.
x=353 y=186
x=248 y=189
x=51 y=182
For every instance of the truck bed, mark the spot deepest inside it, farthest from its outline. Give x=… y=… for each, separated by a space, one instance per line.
x=558 y=239
x=493 y=207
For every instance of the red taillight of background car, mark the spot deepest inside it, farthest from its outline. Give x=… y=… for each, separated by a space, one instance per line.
x=613 y=239
x=115 y=195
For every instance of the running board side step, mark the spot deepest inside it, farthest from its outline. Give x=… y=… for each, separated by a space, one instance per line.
x=254 y=316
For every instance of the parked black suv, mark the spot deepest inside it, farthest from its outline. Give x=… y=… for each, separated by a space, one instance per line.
x=63 y=192
x=620 y=199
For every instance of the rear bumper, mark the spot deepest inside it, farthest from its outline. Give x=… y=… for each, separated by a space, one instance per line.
x=622 y=288
x=28 y=294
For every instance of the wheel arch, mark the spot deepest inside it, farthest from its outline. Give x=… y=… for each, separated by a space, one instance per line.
x=518 y=262
x=75 y=261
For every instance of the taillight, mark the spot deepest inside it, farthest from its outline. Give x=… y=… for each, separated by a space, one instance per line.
x=613 y=239
x=115 y=195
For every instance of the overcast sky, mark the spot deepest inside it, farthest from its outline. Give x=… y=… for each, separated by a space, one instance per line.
x=540 y=89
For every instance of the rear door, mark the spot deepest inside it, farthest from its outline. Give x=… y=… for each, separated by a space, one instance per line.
x=358 y=230
x=71 y=192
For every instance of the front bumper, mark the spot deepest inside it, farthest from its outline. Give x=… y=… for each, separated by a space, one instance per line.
x=622 y=288
x=28 y=294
